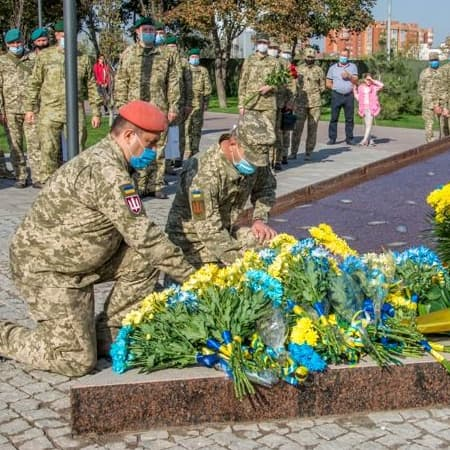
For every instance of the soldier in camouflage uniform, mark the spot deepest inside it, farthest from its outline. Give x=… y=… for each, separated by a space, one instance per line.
x=201 y=90
x=311 y=84
x=15 y=70
x=254 y=92
x=152 y=74
x=428 y=88
x=47 y=95
x=444 y=99
x=87 y=226
x=214 y=188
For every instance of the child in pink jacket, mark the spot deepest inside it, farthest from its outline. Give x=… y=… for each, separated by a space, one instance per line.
x=369 y=106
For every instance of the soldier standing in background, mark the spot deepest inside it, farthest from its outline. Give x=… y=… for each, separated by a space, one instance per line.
x=254 y=92
x=429 y=83
x=149 y=73
x=214 y=188
x=310 y=85
x=47 y=96
x=201 y=90
x=15 y=71
x=444 y=99
x=87 y=226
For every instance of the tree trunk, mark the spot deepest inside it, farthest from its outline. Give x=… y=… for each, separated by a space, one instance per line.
x=219 y=69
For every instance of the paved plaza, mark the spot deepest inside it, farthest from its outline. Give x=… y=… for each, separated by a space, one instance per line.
x=35 y=405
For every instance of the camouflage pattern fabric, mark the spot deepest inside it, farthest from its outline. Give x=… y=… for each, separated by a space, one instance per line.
x=311 y=84
x=46 y=96
x=429 y=90
x=444 y=97
x=86 y=226
x=211 y=196
x=4 y=172
x=201 y=90
x=14 y=75
x=154 y=75
x=186 y=102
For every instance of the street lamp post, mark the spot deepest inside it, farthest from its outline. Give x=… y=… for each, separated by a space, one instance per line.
x=39 y=13
x=388 y=32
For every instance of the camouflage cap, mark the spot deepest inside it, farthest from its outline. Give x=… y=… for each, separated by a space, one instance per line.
x=159 y=26
x=143 y=21
x=433 y=56
x=286 y=48
x=273 y=42
x=309 y=52
x=38 y=33
x=59 y=26
x=13 y=35
x=255 y=135
x=260 y=36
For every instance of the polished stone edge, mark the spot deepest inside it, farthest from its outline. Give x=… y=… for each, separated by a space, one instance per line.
x=158 y=401
x=321 y=189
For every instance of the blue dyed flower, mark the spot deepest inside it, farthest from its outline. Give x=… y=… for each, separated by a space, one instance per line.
x=267 y=255
x=305 y=355
x=258 y=280
x=421 y=256
x=353 y=264
x=119 y=351
x=303 y=246
x=188 y=298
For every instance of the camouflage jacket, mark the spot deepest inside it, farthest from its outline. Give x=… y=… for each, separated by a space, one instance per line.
x=311 y=84
x=201 y=86
x=211 y=196
x=254 y=73
x=286 y=94
x=428 y=87
x=79 y=220
x=47 y=90
x=14 y=75
x=150 y=74
x=444 y=86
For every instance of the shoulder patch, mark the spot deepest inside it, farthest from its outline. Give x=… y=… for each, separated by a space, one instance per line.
x=131 y=198
x=197 y=204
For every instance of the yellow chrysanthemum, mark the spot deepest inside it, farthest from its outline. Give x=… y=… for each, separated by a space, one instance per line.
x=384 y=262
x=283 y=240
x=201 y=279
x=324 y=235
x=133 y=318
x=399 y=301
x=304 y=333
x=281 y=265
x=439 y=200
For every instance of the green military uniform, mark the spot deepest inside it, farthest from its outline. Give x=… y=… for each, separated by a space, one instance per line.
x=186 y=104
x=87 y=226
x=14 y=75
x=444 y=97
x=47 y=96
x=428 y=88
x=201 y=90
x=311 y=84
x=255 y=70
x=212 y=194
x=151 y=74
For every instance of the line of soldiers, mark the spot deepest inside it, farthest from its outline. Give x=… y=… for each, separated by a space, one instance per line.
x=32 y=98
x=434 y=88
x=301 y=96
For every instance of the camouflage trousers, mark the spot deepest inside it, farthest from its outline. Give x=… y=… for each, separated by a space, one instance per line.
x=4 y=172
x=16 y=129
x=193 y=131
x=429 y=117
x=444 y=124
x=152 y=178
x=67 y=335
x=50 y=134
x=271 y=115
x=279 y=143
x=310 y=116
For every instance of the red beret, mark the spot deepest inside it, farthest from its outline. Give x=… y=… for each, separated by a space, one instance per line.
x=144 y=115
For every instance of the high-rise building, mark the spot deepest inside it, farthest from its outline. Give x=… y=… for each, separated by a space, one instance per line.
x=405 y=37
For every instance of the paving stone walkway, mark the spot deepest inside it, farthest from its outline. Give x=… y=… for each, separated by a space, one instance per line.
x=34 y=405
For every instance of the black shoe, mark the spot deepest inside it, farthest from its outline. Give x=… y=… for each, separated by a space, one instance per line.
x=178 y=163
x=331 y=142
x=37 y=185
x=20 y=184
x=350 y=142
x=277 y=167
x=284 y=160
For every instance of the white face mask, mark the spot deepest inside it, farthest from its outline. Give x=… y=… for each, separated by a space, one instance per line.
x=273 y=52
x=262 y=48
x=286 y=56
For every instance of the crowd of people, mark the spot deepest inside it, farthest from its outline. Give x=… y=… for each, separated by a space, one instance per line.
x=88 y=224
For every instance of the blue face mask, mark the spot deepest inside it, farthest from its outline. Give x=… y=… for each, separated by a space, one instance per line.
x=244 y=167
x=61 y=42
x=159 y=39
x=142 y=161
x=194 y=61
x=343 y=59
x=16 y=50
x=148 y=38
x=434 y=64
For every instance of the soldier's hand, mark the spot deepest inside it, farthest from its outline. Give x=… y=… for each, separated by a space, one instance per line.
x=241 y=111
x=437 y=110
x=172 y=116
x=262 y=231
x=445 y=112
x=2 y=119
x=96 y=121
x=29 y=117
x=265 y=89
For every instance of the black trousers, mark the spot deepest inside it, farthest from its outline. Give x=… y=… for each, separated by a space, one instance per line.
x=338 y=101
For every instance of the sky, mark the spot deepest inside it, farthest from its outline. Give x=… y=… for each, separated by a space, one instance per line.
x=426 y=13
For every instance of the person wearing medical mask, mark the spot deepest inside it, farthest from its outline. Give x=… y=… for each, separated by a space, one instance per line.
x=254 y=93
x=341 y=77
x=45 y=100
x=215 y=186
x=153 y=74
x=15 y=69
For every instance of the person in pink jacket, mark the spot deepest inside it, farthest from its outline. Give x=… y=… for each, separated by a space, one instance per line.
x=368 y=104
